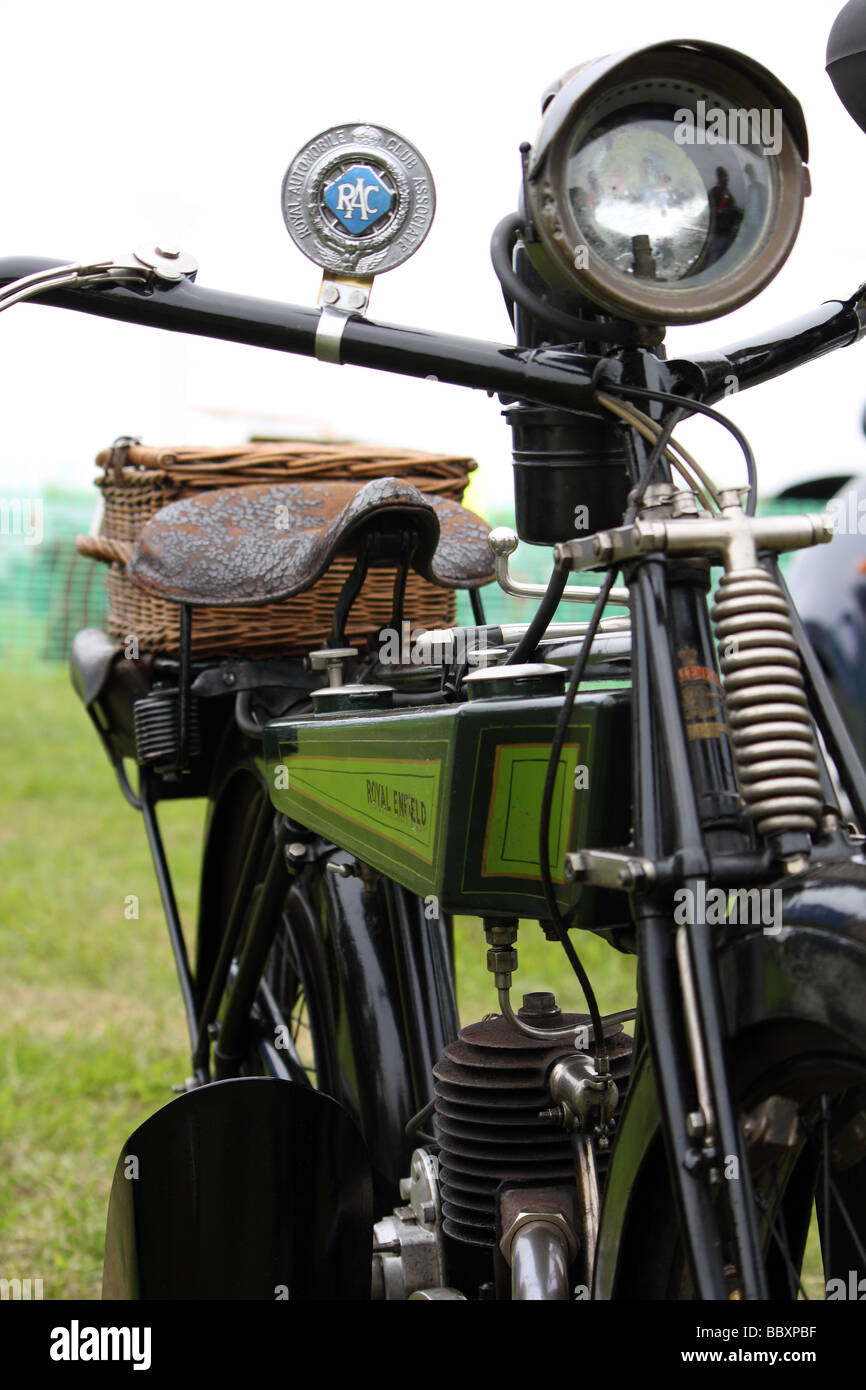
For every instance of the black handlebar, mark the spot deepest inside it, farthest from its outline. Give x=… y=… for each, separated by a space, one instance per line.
x=546 y=376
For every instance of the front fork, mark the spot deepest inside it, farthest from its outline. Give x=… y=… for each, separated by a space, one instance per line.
x=679 y=989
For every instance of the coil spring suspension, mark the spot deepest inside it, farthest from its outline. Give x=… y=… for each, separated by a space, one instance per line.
x=772 y=738
x=157 y=728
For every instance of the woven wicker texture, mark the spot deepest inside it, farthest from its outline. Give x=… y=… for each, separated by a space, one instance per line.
x=136 y=480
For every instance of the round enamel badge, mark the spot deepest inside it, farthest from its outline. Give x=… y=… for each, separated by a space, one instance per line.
x=358 y=199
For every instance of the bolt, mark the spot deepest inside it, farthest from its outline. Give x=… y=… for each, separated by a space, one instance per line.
x=541 y=1001
x=230 y=678
x=357 y=299
x=695 y=1124
x=330 y=294
x=575 y=866
x=554 y=1116
x=798 y=865
x=428 y=1213
x=296 y=851
x=500 y=959
x=387 y=1247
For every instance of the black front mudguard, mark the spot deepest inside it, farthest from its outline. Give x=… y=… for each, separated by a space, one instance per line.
x=244 y=1189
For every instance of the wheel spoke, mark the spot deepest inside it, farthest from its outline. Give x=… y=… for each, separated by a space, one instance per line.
x=784 y=1244
x=832 y=1190
x=793 y=1272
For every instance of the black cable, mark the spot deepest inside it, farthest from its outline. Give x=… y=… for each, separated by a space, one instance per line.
x=587 y=330
x=542 y=619
x=559 y=926
x=688 y=404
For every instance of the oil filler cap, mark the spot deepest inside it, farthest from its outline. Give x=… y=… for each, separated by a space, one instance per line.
x=352 y=699
x=526 y=680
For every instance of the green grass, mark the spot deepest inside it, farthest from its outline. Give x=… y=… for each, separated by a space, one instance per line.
x=91 y=1033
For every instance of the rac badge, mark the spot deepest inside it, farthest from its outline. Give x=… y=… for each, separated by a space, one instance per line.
x=358 y=199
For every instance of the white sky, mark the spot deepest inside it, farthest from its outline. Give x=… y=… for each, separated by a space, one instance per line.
x=124 y=124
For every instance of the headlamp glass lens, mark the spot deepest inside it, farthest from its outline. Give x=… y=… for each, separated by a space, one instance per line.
x=657 y=199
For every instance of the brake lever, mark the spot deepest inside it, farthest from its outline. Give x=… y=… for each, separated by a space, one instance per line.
x=166 y=263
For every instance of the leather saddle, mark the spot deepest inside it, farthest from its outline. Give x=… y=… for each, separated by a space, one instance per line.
x=263 y=543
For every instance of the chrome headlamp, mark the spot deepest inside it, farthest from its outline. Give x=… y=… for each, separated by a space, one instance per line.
x=667 y=184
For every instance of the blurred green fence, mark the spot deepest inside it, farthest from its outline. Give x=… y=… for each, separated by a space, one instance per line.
x=47 y=590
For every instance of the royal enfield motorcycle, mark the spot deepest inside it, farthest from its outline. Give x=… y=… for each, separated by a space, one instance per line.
x=676 y=778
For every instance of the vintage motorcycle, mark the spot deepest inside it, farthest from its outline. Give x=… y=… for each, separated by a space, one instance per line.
x=671 y=780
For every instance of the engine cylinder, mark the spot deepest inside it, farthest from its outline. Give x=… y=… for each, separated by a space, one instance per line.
x=491 y=1085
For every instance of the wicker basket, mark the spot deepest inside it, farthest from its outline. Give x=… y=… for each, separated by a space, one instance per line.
x=137 y=480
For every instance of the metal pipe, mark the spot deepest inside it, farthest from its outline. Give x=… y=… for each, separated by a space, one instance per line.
x=662 y=1019
x=589 y=1205
x=256 y=826
x=263 y=923
x=693 y=1033
x=539 y=1263
x=172 y=917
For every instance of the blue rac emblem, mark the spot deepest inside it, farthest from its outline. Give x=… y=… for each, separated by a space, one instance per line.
x=358 y=198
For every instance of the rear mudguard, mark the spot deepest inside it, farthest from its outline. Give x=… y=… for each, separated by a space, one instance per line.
x=777 y=986
x=244 y=1189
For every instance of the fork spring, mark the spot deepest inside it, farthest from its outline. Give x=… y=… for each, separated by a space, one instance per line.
x=770 y=728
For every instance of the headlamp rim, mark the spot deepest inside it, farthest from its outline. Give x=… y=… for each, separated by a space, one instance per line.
x=561 y=239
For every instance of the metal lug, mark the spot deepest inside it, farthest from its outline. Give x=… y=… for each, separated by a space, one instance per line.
x=168 y=262
x=607 y=869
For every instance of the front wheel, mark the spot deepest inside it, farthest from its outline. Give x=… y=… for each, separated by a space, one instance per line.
x=803 y=1113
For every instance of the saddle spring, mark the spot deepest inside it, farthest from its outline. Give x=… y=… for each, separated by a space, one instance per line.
x=771 y=733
